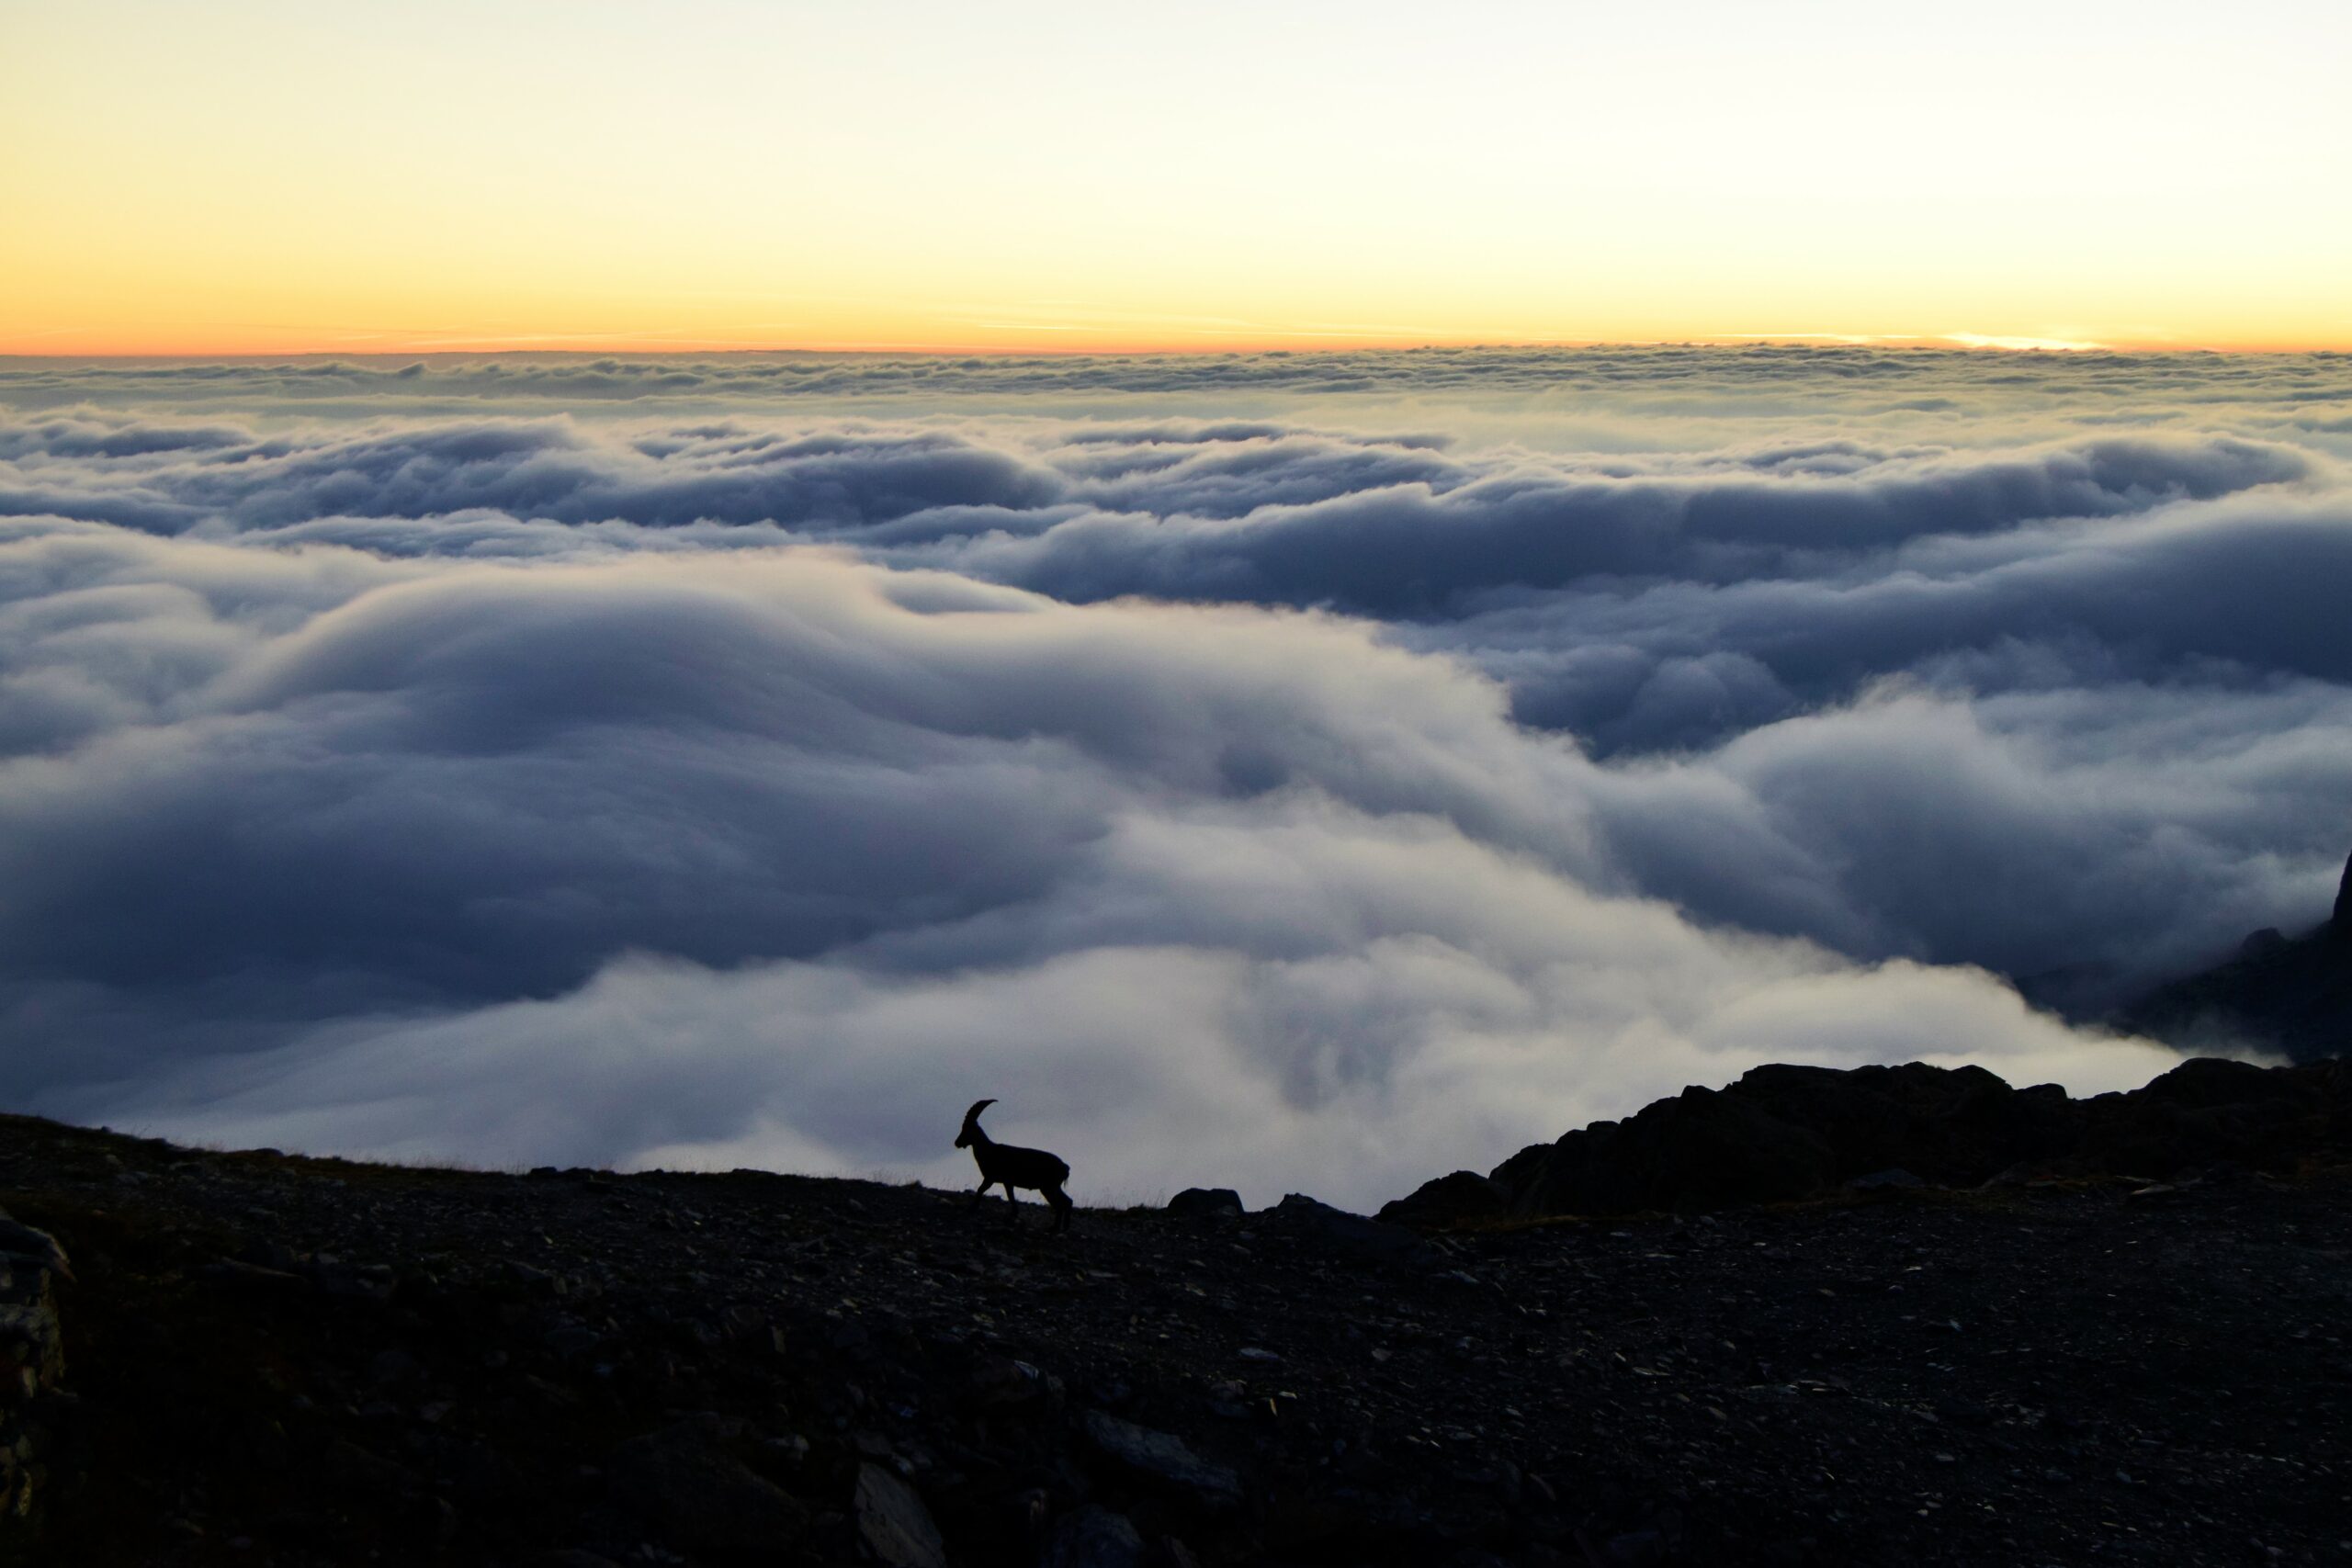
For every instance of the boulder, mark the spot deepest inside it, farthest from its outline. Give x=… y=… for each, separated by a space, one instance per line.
x=24 y=1246
x=1206 y=1202
x=893 y=1523
x=32 y=1342
x=1465 y=1197
x=1163 y=1461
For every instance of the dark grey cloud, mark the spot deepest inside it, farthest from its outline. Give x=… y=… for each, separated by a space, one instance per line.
x=664 y=858
x=2232 y=595
x=545 y=470
x=1234 y=513
x=1397 y=548
x=578 y=760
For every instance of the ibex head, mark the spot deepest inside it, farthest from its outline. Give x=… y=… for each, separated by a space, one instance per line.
x=971 y=1132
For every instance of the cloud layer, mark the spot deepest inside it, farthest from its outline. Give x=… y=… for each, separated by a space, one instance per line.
x=1313 y=772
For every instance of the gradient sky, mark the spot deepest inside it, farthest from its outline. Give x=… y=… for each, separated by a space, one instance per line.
x=256 y=176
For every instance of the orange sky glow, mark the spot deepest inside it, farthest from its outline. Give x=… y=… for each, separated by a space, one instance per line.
x=265 y=177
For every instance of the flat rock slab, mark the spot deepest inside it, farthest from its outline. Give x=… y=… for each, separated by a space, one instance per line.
x=1162 y=1459
x=893 y=1522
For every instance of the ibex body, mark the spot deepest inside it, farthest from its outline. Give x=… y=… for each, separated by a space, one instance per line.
x=1003 y=1165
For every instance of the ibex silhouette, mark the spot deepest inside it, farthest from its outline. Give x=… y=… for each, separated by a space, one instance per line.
x=1003 y=1164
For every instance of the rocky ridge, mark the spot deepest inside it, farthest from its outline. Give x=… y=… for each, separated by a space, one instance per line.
x=1783 y=1133
x=272 y=1360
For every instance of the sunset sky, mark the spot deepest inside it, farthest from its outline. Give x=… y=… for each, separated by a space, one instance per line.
x=263 y=177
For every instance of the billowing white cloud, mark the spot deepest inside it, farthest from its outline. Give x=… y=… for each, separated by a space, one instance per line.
x=1325 y=795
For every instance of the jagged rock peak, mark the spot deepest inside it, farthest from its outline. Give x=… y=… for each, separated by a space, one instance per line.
x=2339 y=925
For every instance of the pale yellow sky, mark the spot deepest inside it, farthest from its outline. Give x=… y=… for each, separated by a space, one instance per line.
x=255 y=176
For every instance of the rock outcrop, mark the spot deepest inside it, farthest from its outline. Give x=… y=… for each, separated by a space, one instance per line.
x=1460 y=1198
x=1783 y=1133
x=1371 y=1242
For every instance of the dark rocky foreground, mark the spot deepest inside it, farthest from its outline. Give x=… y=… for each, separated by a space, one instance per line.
x=277 y=1361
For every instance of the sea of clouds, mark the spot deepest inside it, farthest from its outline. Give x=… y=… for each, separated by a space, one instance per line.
x=1287 y=772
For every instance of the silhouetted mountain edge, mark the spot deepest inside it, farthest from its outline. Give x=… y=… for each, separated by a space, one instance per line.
x=1782 y=1133
x=2288 y=994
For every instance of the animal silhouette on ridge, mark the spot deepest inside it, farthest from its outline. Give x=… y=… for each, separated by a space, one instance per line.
x=1004 y=1164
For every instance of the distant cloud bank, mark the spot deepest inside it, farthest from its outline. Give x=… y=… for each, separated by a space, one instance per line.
x=1302 y=772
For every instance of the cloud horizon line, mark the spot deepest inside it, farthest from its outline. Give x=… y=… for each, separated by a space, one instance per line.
x=1298 y=343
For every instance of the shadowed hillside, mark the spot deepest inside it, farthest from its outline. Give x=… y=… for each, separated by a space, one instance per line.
x=2288 y=994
